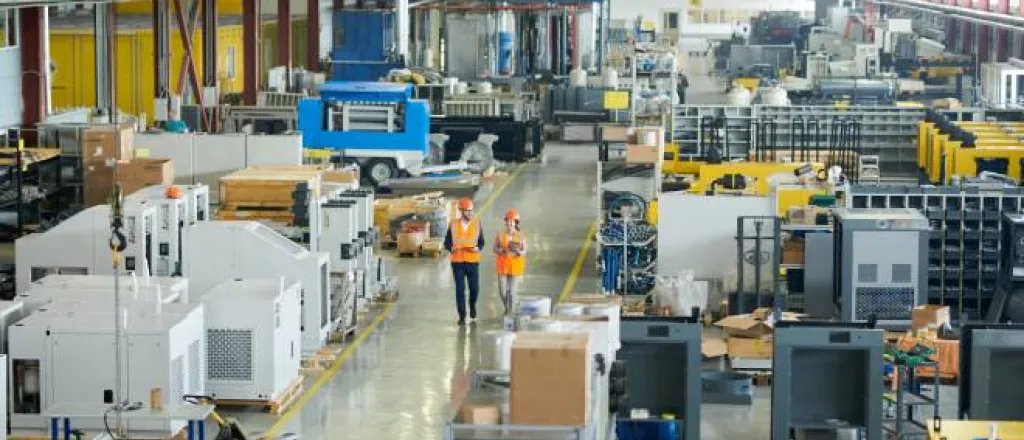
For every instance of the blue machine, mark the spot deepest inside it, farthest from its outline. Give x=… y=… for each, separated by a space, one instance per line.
x=364 y=45
x=376 y=124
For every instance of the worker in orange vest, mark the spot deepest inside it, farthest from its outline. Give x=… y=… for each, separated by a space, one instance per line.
x=510 y=248
x=465 y=240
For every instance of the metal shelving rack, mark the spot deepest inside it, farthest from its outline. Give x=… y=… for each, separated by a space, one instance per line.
x=964 y=249
x=887 y=131
x=905 y=407
x=22 y=169
x=656 y=77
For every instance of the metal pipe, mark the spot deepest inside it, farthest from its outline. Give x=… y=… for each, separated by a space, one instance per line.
x=959 y=13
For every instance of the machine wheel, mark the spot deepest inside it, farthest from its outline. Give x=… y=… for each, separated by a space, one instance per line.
x=380 y=170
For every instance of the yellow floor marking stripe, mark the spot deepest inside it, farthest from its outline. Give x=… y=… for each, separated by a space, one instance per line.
x=570 y=283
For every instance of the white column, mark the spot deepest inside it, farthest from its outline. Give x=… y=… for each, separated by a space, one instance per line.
x=402 y=27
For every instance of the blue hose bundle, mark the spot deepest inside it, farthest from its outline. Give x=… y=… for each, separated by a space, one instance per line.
x=633 y=200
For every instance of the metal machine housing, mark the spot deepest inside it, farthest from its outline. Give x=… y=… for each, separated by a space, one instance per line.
x=881 y=263
x=252 y=335
x=218 y=251
x=51 y=348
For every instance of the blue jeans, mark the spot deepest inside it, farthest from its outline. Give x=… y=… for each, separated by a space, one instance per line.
x=466 y=273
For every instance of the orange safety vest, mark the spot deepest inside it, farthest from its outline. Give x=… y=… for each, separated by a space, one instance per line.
x=464 y=237
x=508 y=264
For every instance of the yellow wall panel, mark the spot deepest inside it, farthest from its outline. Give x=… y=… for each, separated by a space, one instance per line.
x=229 y=7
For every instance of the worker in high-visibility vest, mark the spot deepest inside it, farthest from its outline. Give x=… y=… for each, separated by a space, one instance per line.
x=510 y=247
x=465 y=240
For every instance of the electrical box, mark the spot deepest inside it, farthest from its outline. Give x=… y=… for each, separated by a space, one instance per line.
x=218 y=251
x=62 y=354
x=881 y=263
x=253 y=337
x=340 y=236
x=170 y=219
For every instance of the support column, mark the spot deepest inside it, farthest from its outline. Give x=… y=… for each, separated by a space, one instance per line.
x=161 y=51
x=105 y=32
x=188 y=65
x=284 y=37
x=210 y=52
x=1003 y=35
x=34 y=68
x=981 y=41
x=966 y=37
x=250 y=50
x=402 y=28
x=313 y=35
x=952 y=28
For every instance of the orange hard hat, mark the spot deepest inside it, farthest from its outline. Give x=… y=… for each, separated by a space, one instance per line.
x=173 y=192
x=465 y=204
x=512 y=215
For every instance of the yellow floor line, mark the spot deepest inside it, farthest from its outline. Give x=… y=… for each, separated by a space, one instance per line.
x=326 y=376
x=570 y=283
x=494 y=196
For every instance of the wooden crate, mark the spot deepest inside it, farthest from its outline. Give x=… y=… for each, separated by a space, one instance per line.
x=267 y=186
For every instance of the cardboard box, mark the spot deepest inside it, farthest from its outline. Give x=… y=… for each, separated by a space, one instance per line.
x=643 y=154
x=410 y=242
x=550 y=379
x=481 y=414
x=100 y=143
x=750 y=348
x=929 y=317
x=614 y=133
x=760 y=322
x=712 y=347
x=142 y=172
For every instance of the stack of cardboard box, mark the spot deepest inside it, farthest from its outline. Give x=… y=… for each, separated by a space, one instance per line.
x=105 y=147
x=749 y=336
x=645 y=145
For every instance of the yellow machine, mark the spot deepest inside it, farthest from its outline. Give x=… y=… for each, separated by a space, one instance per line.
x=724 y=177
x=942 y=154
x=674 y=164
x=975 y=429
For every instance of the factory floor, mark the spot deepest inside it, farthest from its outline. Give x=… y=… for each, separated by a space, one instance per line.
x=397 y=382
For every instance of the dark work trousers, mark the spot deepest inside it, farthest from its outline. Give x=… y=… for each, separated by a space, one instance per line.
x=466 y=273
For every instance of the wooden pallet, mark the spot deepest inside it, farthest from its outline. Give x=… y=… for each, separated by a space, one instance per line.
x=276 y=406
x=276 y=216
x=386 y=297
x=323 y=359
x=268 y=184
x=341 y=335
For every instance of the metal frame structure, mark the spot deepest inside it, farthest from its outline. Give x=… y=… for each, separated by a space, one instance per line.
x=1000 y=84
x=825 y=372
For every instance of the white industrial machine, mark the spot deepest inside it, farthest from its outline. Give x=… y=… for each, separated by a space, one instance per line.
x=3 y=403
x=80 y=245
x=218 y=251
x=171 y=289
x=252 y=336
x=371 y=269
x=340 y=239
x=10 y=313
x=97 y=291
x=61 y=354
x=1001 y=84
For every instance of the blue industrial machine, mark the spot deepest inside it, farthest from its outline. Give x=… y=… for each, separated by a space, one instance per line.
x=364 y=45
x=377 y=125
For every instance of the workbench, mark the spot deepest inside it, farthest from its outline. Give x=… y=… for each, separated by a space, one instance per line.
x=973 y=429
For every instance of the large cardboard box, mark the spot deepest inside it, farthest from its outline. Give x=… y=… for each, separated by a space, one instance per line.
x=750 y=348
x=410 y=242
x=481 y=414
x=101 y=143
x=643 y=154
x=97 y=182
x=147 y=171
x=712 y=347
x=550 y=379
x=929 y=316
